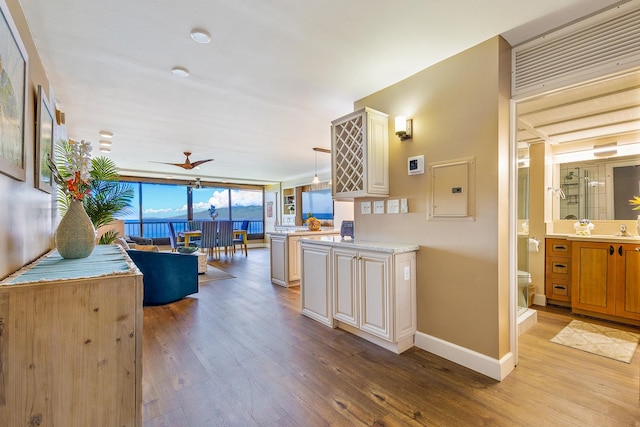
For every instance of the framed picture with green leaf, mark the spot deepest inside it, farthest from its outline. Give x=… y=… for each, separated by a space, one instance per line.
x=44 y=142
x=13 y=95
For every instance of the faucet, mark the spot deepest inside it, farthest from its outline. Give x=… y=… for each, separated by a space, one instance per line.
x=623 y=229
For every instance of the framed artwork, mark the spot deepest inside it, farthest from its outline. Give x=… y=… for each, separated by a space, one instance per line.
x=13 y=95
x=44 y=143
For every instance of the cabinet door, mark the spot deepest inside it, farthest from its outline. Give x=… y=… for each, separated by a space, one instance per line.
x=294 y=258
x=278 y=260
x=593 y=277
x=375 y=294
x=345 y=299
x=628 y=281
x=377 y=155
x=315 y=283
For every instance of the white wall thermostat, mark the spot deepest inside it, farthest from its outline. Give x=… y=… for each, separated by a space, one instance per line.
x=415 y=165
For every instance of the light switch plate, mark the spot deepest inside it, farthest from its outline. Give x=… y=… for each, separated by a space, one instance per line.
x=393 y=206
x=378 y=207
x=404 y=206
x=365 y=208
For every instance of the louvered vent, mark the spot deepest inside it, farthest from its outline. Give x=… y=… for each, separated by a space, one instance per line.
x=595 y=47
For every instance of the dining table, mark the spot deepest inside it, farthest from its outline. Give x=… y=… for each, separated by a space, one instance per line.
x=187 y=235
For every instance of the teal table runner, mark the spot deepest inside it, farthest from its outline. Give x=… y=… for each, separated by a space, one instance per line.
x=106 y=260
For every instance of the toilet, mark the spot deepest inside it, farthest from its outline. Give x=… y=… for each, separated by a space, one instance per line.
x=524 y=279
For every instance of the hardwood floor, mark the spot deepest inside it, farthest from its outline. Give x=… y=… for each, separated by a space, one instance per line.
x=239 y=353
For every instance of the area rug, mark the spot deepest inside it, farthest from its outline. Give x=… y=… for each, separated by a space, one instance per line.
x=213 y=273
x=601 y=340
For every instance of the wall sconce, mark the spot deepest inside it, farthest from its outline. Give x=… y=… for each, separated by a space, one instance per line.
x=59 y=117
x=404 y=128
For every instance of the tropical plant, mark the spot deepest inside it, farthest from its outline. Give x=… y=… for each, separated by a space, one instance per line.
x=104 y=196
x=635 y=201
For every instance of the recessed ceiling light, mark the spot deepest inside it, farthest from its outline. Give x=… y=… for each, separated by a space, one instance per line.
x=105 y=143
x=105 y=149
x=105 y=134
x=180 y=71
x=200 y=35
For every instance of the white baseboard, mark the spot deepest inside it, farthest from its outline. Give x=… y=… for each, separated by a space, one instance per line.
x=493 y=368
x=540 y=299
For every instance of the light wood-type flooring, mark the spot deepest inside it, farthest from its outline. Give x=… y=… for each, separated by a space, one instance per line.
x=239 y=353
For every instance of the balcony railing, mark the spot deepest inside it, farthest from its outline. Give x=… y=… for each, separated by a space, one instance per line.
x=158 y=229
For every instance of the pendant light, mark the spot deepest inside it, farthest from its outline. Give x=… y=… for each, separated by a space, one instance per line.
x=316 y=180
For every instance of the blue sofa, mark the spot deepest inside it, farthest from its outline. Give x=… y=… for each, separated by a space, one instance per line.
x=167 y=277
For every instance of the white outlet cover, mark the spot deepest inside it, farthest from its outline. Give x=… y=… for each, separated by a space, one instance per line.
x=365 y=208
x=404 y=206
x=378 y=207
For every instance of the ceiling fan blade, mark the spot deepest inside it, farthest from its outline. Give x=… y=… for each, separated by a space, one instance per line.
x=182 y=165
x=187 y=163
x=199 y=162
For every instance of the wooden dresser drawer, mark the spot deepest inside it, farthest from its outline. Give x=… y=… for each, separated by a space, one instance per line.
x=558 y=248
x=558 y=267
x=557 y=289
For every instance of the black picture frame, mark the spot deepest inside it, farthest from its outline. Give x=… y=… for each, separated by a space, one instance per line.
x=13 y=96
x=44 y=143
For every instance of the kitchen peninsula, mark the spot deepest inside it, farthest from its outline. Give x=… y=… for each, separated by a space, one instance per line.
x=366 y=288
x=285 y=249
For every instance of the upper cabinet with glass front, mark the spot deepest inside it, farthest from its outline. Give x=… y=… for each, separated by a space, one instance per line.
x=360 y=155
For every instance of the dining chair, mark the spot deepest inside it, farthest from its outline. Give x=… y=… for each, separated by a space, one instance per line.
x=173 y=237
x=241 y=238
x=225 y=236
x=209 y=238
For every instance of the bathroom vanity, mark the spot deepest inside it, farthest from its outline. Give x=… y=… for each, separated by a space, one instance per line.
x=597 y=275
x=366 y=288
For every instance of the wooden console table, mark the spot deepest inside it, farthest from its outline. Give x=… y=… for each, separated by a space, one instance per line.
x=71 y=342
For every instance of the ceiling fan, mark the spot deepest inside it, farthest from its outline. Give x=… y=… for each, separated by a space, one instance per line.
x=188 y=164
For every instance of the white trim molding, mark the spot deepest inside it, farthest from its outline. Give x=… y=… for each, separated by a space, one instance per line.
x=493 y=368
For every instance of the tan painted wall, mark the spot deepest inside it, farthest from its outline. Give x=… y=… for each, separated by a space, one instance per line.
x=27 y=214
x=460 y=108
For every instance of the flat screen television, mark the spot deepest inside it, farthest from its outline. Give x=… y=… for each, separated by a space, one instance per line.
x=319 y=203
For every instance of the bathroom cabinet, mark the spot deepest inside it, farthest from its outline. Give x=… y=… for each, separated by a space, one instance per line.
x=360 y=155
x=606 y=280
x=558 y=271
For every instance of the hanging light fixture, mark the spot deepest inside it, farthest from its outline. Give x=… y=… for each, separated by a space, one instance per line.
x=316 y=180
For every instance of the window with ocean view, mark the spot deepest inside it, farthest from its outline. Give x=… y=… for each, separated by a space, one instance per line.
x=154 y=205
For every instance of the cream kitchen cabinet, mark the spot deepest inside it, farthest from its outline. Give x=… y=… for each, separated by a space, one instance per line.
x=360 y=155
x=375 y=294
x=315 y=284
x=285 y=255
x=366 y=288
x=606 y=280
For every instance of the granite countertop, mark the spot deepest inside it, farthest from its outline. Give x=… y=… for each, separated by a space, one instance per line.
x=337 y=241
x=597 y=238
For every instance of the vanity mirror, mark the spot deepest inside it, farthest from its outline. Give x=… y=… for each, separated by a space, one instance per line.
x=597 y=189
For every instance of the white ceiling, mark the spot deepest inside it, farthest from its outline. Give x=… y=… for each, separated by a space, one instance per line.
x=262 y=94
